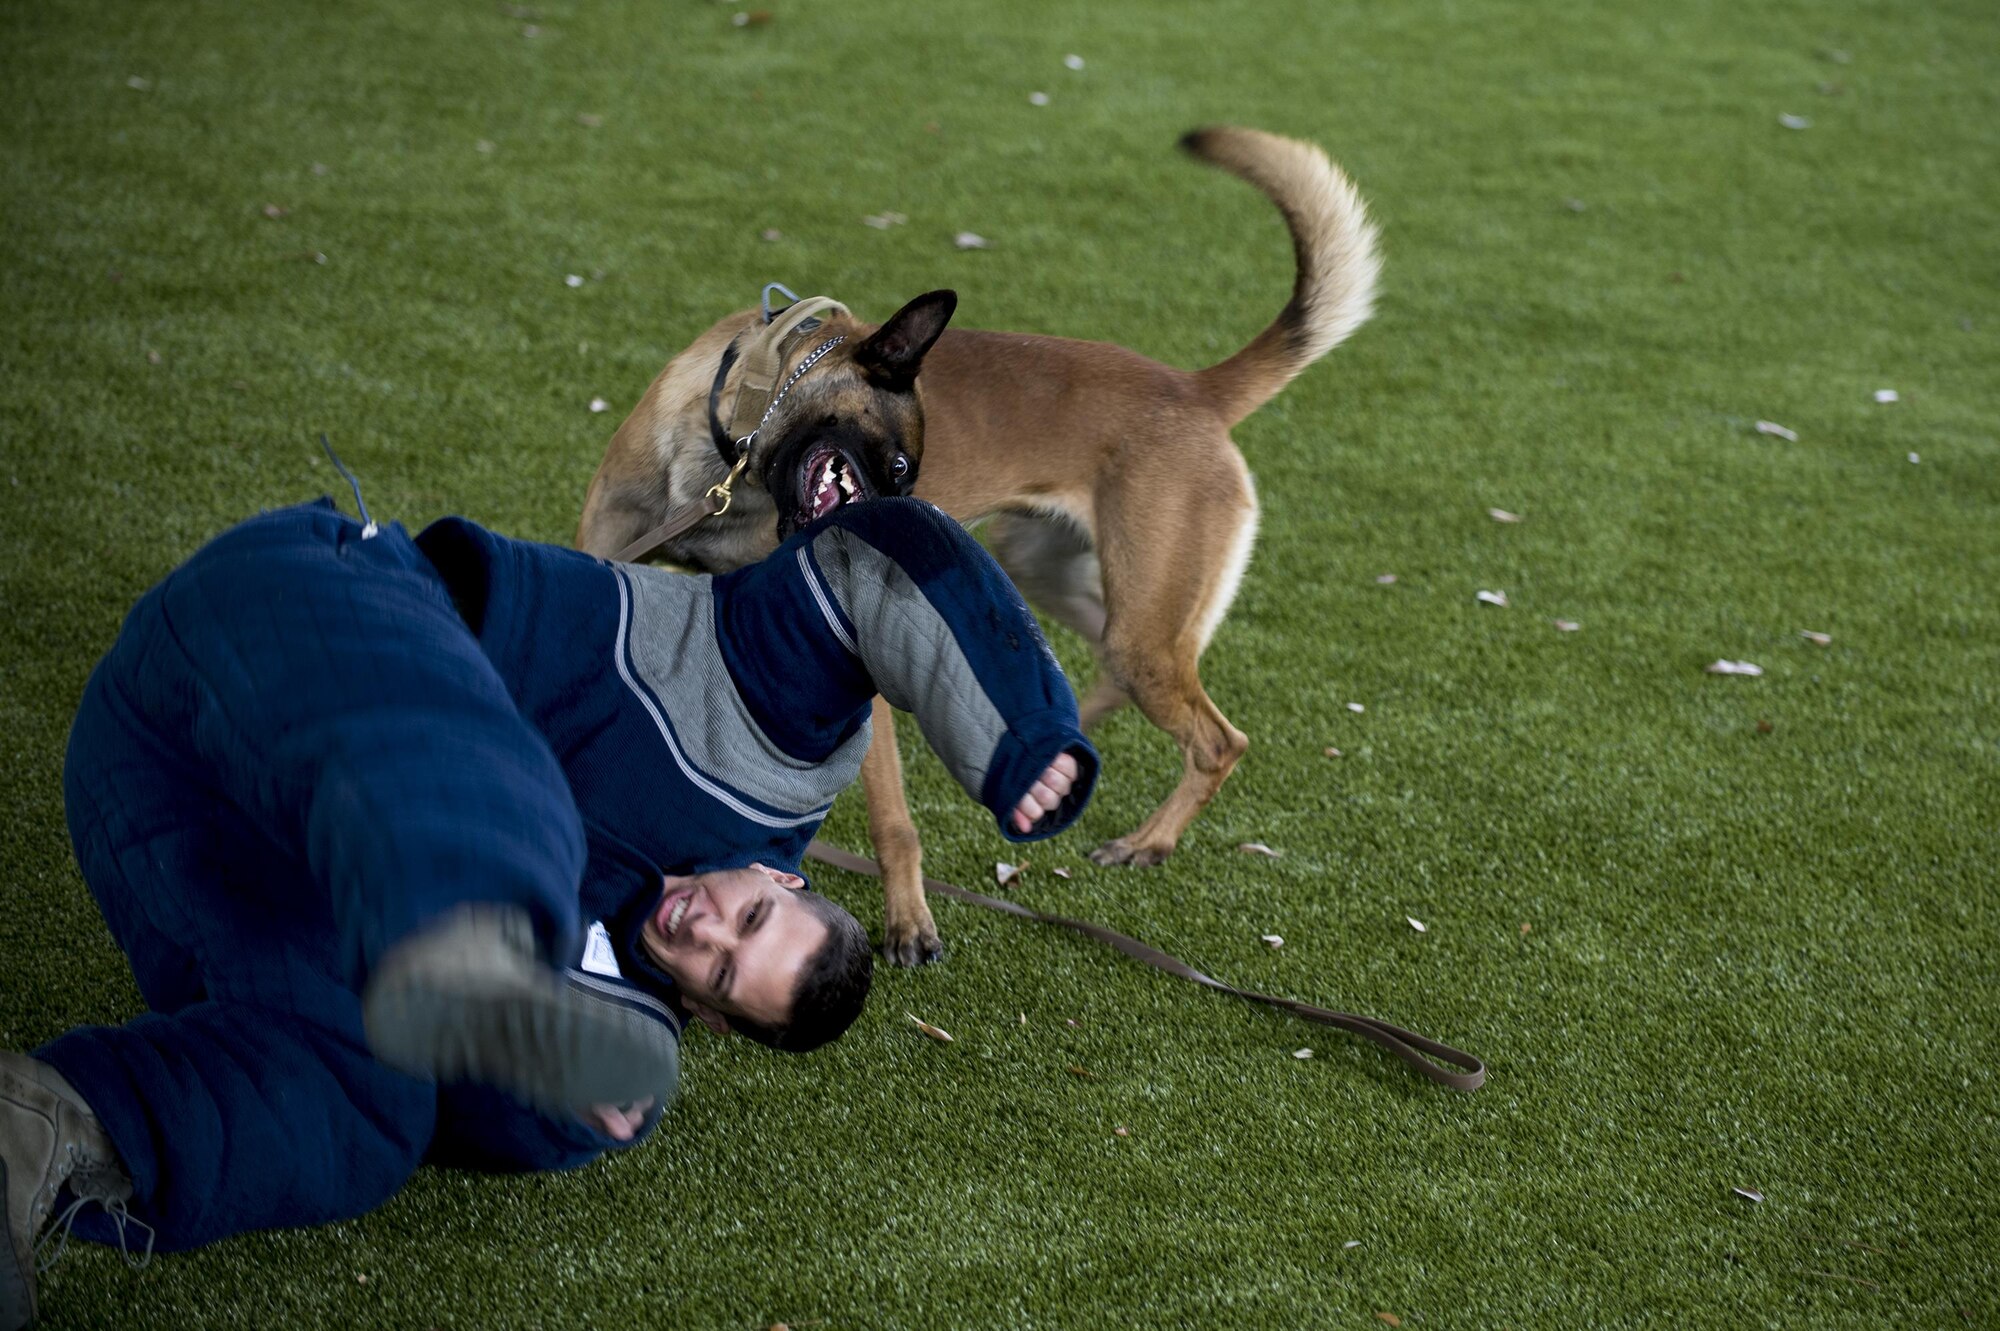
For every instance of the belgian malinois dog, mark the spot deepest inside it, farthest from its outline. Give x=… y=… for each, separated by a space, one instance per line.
x=1116 y=499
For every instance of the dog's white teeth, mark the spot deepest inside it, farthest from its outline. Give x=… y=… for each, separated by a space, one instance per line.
x=846 y=483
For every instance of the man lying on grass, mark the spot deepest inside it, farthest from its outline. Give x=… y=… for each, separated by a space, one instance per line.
x=348 y=800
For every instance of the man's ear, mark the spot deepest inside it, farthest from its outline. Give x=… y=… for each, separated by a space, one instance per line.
x=779 y=876
x=893 y=353
x=708 y=1017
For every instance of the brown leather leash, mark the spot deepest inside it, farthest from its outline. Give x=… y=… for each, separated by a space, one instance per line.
x=711 y=504
x=1419 y=1052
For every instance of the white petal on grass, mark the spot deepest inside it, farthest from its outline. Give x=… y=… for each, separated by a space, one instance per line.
x=1748 y=1194
x=137 y=84
x=1566 y=625
x=1331 y=752
x=484 y=146
x=1494 y=598
x=1356 y=707
x=1417 y=924
x=1913 y=457
x=1259 y=848
x=1060 y=872
x=573 y=280
x=1733 y=668
x=598 y=404
x=1816 y=639
x=1352 y=1243
x=1073 y=61
x=1385 y=578
x=1302 y=1053
x=935 y=1032
x=1502 y=515
x=971 y=240
x=1795 y=122
x=1038 y=99
x=1886 y=396
x=1004 y=873
x=1772 y=427
x=1274 y=941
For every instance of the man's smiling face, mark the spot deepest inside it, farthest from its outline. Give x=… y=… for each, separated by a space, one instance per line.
x=736 y=942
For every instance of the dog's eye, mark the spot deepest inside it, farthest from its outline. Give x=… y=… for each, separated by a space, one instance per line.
x=900 y=467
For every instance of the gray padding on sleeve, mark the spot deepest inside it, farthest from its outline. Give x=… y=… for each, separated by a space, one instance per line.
x=913 y=655
x=673 y=649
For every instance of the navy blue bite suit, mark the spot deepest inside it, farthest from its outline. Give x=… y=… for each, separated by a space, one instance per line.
x=308 y=743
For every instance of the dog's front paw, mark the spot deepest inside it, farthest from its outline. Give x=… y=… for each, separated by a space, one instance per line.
x=914 y=943
x=1127 y=851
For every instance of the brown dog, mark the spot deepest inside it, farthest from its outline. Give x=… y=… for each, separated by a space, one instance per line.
x=1118 y=503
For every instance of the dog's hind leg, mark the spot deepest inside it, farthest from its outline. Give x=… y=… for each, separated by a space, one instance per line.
x=1054 y=564
x=909 y=935
x=1176 y=544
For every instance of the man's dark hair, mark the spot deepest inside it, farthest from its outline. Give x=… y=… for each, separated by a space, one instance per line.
x=832 y=987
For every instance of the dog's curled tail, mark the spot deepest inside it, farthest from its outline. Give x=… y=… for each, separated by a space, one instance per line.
x=1334 y=292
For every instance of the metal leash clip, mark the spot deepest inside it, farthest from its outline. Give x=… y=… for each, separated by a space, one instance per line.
x=722 y=488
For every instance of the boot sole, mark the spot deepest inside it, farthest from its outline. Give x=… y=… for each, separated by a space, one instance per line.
x=17 y=1294
x=558 y=1046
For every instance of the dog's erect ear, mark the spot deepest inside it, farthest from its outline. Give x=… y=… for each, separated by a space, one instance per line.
x=894 y=353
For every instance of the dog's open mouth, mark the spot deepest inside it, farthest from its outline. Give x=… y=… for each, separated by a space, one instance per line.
x=828 y=479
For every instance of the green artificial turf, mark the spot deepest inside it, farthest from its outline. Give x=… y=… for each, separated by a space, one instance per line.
x=1699 y=954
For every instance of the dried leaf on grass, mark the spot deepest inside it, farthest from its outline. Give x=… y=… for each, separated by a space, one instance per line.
x=1525 y=928
x=753 y=18
x=1259 y=848
x=589 y=119
x=1331 y=752
x=1060 y=872
x=1005 y=873
x=883 y=221
x=1121 y=1131
x=1390 y=1318
x=936 y=1033
x=274 y=211
x=1385 y=578
x=1494 y=598
x=1773 y=428
x=1502 y=515
x=1816 y=639
x=1566 y=625
x=1077 y=1070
